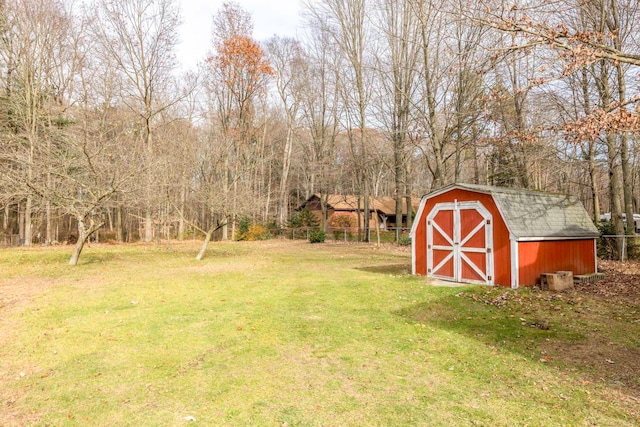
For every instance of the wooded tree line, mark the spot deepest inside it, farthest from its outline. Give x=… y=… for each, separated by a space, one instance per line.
x=99 y=128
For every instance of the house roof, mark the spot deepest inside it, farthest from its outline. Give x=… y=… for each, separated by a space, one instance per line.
x=536 y=214
x=345 y=202
x=387 y=205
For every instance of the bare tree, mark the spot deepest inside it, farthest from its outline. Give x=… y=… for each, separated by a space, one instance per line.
x=238 y=73
x=398 y=72
x=139 y=37
x=319 y=114
x=551 y=29
x=287 y=60
x=36 y=36
x=348 y=24
x=89 y=171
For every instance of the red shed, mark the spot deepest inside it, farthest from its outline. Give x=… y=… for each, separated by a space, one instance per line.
x=501 y=236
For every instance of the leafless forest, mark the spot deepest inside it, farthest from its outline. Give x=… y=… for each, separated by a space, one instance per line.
x=100 y=130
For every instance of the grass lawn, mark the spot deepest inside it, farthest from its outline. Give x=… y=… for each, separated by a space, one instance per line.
x=283 y=333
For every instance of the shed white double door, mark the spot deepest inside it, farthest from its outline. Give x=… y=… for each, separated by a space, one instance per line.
x=460 y=242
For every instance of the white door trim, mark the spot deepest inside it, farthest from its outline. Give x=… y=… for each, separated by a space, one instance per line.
x=456 y=243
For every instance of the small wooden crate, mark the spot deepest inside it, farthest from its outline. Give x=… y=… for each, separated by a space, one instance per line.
x=558 y=281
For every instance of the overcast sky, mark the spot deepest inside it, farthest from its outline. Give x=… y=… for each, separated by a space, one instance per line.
x=270 y=17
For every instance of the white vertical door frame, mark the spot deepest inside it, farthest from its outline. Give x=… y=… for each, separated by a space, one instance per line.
x=515 y=263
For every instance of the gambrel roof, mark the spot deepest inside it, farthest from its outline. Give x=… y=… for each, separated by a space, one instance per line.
x=532 y=215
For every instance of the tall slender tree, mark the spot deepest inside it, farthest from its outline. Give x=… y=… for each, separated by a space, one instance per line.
x=139 y=37
x=238 y=73
x=398 y=72
x=286 y=57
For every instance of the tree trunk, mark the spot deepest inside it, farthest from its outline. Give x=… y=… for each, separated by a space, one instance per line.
x=20 y=224
x=119 y=225
x=76 y=252
x=399 y=221
x=203 y=249
x=28 y=228
x=207 y=239
x=367 y=215
x=110 y=220
x=148 y=226
x=324 y=201
x=409 y=213
x=226 y=184
x=48 y=208
x=49 y=228
x=595 y=193
x=615 y=192
x=183 y=202
x=359 y=217
x=627 y=184
x=614 y=27
x=5 y=219
x=83 y=237
x=377 y=224
x=234 y=202
x=286 y=164
x=398 y=162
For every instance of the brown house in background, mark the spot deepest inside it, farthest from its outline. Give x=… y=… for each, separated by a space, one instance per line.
x=341 y=204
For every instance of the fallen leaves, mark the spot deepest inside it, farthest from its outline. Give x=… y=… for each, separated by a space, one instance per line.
x=621 y=282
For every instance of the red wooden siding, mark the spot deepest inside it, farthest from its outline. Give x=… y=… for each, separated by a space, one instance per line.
x=469 y=220
x=501 y=251
x=420 y=244
x=535 y=258
x=445 y=221
x=468 y=273
x=447 y=269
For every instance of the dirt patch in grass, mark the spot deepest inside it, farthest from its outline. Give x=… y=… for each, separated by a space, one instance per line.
x=15 y=295
x=16 y=292
x=394 y=269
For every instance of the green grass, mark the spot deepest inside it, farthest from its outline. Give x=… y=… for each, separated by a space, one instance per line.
x=279 y=333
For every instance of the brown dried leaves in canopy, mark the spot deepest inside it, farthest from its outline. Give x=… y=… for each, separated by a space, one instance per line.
x=582 y=34
x=243 y=65
x=615 y=120
x=239 y=66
